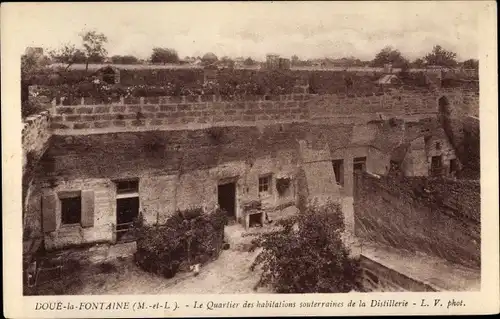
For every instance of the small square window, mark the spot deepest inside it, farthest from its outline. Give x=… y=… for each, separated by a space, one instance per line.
x=265 y=185
x=128 y=186
x=71 y=210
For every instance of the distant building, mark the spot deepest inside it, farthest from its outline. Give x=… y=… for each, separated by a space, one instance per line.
x=284 y=64
x=37 y=51
x=272 y=61
x=388 y=68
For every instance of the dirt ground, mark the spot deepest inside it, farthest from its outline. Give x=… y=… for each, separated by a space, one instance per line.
x=230 y=273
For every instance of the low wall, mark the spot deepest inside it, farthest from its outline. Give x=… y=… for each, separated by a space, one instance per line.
x=35 y=136
x=436 y=216
x=379 y=278
x=185 y=112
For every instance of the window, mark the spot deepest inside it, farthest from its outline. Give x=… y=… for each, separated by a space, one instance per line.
x=438 y=146
x=265 y=185
x=127 y=186
x=436 y=166
x=338 y=169
x=127 y=207
x=71 y=210
x=359 y=164
x=453 y=166
x=436 y=162
x=394 y=165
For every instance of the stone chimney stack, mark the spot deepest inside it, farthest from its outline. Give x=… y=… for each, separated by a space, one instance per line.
x=388 y=68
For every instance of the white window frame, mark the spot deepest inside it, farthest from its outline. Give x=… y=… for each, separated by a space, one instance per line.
x=269 y=183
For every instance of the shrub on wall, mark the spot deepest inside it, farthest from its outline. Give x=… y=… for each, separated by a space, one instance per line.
x=282 y=184
x=30 y=108
x=189 y=237
x=150 y=83
x=307 y=255
x=335 y=82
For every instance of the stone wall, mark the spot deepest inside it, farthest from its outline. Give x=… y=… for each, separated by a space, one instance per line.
x=173 y=113
x=35 y=136
x=160 y=196
x=440 y=217
x=460 y=119
x=376 y=277
x=180 y=169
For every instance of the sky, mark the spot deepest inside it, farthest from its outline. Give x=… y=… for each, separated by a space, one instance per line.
x=307 y=29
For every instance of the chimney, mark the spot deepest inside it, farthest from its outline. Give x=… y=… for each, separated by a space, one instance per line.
x=388 y=68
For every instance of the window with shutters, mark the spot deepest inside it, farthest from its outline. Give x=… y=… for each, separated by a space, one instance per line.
x=71 y=210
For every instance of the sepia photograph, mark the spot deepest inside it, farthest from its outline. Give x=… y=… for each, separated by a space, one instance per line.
x=250 y=148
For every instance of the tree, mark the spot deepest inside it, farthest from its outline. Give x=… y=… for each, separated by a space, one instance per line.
x=92 y=50
x=418 y=63
x=67 y=54
x=389 y=55
x=227 y=61
x=295 y=60
x=307 y=255
x=209 y=58
x=164 y=55
x=248 y=61
x=441 y=57
x=33 y=63
x=93 y=47
x=124 y=59
x=471 y=64
x=116 y=59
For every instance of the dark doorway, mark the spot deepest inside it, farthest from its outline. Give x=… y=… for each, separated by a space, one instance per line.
x=444 y=106
x=358 y=166
x=436 y=165
x=453 y=166
x=338 y=169
x=127 y=209
x=226 y=196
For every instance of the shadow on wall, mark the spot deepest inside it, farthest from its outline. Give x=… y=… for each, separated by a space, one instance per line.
x=421 y=215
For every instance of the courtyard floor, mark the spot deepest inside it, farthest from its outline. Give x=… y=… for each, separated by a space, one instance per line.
x=117 y=273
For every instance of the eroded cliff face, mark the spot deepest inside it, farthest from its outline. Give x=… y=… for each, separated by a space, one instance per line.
x=437 y=216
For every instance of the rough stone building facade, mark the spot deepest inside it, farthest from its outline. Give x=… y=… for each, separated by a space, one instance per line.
x=105 y=164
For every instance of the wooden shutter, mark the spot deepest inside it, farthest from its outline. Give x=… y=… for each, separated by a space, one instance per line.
x=49 y=223
x=87 y=209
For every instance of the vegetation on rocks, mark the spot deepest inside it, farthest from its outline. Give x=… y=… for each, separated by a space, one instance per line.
x=307 y=255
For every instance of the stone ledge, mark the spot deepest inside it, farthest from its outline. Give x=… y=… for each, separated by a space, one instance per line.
x=425 y=270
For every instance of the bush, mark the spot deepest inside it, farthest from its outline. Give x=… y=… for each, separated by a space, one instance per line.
x=282 y=184
x=335 y=82
x=189 y=237
x=30 y=108
x=176 y=82
x=307 y=255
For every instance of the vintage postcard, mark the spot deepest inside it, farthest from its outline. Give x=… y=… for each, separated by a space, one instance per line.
x=185 y=159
